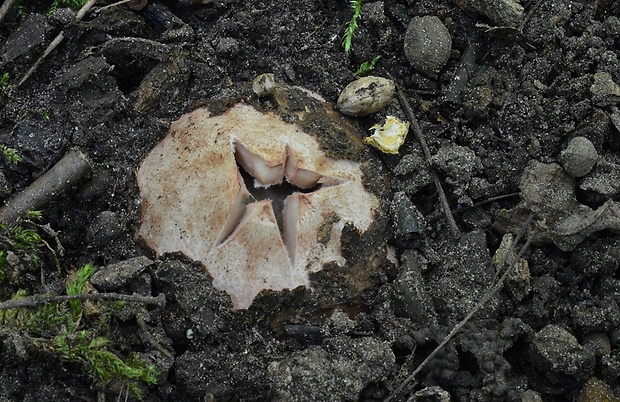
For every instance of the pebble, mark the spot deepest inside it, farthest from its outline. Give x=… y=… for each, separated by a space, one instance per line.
x=531 y=396
x=228 y=47
x=605 y=91
x=431 y=394
x=427 y=44
x=596 y=390
x=115 y=276
x=407 y=219
x=409 y=295
x=579 y=157
x=556 y=353
x=598 y=343
x=365 y=96
x=264 y=84
x=604 y=179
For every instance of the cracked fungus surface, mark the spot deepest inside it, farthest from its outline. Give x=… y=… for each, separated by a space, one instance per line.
x=195 y=200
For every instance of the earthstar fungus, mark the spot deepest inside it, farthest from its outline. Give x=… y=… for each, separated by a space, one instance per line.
x=195 y=201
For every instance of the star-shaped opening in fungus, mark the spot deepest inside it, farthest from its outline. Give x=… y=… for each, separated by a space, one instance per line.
x=279 y=188
x=252 y=197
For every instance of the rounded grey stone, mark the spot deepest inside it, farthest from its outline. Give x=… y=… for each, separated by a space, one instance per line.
x=598 y=343
x=365 y=96
x=427 y=44
x=579 y=157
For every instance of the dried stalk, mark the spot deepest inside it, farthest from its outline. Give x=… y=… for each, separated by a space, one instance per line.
x=6 y=6
x=496 y=288
x=34 y=301
x=61 y=176
x=417 y=131
x=80 y=14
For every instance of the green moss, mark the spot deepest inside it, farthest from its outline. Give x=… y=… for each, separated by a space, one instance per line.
x=356 y=6
x=10 y=154
x=367 y=66
x=101 y=364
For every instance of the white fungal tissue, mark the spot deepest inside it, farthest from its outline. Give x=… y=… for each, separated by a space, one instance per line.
x=195 y=201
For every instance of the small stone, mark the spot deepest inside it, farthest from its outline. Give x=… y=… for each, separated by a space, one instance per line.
x=518 y=283
x=430 y=394
x=264 y=84
x=531 y=396
x=115 y=276
x=365 y=96
x=556 y=353
x=598 y=343
x=508 y=13
x=604 y=179
x=596 y=390
x=409 y=295
x=374 y=13
x=579 y=157
x=339 y=323
x=427 y=44
x=457 y=161
x=228 y=47
x=407 y=219
x=63 y=16
x=605 y=91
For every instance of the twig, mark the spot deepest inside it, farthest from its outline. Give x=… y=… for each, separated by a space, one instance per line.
x=61 y=35
x=61 y=176
x=118 y=3
x=5 y=8
x=417 y=131
x=37 y=63
x=149 y=337
x=34 y=301
x=478 y=305
x=84 y=10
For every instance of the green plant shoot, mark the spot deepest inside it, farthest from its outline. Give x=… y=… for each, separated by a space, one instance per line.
x=103 y=365
x=356 y=6
x=76 y=287
x=10 y=154
x=367 y=66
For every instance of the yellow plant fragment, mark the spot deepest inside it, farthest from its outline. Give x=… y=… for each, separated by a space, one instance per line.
x=389 y=137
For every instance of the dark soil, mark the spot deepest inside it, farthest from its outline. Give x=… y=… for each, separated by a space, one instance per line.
x=120 y=77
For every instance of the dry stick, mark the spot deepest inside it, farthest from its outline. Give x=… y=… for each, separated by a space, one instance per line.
x=37 y=63
x=5 y=8
x=81 y=13
x=487 y=201
x=61 y=176
x=454 y=229
x=150 y=338
x=118 y=3
x=85 y=9
x=34 y=301
x=478 y=305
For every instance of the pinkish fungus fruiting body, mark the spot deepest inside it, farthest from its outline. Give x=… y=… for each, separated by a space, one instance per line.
x=195 y=200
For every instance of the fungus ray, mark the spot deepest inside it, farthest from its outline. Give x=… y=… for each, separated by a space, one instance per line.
x=195 y=200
